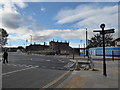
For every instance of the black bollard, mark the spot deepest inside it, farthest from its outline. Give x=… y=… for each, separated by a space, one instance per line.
x=113 y=55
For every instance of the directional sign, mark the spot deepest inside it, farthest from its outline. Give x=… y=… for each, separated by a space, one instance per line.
x=109 y=31
x=105 y=31
x=97 y=31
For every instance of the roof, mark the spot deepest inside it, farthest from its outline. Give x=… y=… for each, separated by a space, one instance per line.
x=117 y=39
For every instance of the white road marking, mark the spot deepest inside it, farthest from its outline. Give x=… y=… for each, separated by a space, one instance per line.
x=19 y=70
x=61 y=60
x=48 y=60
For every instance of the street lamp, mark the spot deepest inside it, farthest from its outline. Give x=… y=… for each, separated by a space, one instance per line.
x=86 y=42
x=86 y=37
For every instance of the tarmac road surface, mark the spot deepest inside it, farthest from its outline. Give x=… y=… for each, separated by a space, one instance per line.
x=32 y=71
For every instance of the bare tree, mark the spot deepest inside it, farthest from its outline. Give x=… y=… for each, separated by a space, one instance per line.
x=3 y=35
x=96 y=41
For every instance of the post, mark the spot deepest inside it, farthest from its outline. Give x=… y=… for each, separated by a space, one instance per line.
x=79 y=49
x=86 y=38
x=103 y=32
x=113 y=55
x=80 y=46
x=73 y=53
x=104 y=63
x=86 y=41
x=84 y=50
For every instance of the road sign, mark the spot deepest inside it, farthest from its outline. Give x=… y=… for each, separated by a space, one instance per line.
x=109 y=31
x=105 y=31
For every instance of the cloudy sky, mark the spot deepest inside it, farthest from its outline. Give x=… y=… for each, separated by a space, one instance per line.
x=61 y=21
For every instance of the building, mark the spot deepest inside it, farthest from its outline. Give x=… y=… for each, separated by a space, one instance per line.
x=15 y=49
x=60 y=47
x=117 y=42
x=54 y=48
x=37 y=47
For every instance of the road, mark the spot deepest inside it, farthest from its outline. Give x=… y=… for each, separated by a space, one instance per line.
x=33 y=71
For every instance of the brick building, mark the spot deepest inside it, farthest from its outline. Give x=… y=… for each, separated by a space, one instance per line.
x=60 y=47
x=36 y=47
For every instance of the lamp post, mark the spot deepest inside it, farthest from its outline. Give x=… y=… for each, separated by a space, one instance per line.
x=84 y=50
x=86 y=42
x=86 y=37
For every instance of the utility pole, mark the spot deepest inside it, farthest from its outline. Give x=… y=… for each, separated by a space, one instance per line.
x=86 y=42
x=86 y=38
x=103 y=32
x=80 y=46
x=84 y=50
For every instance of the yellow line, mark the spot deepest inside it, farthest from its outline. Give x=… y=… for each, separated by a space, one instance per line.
x=56 y=80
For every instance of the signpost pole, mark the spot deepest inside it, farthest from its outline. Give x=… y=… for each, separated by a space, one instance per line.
x=103 y=37
x=103 y=32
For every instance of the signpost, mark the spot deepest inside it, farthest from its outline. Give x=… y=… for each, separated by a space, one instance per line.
x=103 y=32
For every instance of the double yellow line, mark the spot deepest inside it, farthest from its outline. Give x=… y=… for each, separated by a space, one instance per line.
x=56 y=80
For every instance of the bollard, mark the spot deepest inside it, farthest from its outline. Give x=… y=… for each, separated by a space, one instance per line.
x=113 y=55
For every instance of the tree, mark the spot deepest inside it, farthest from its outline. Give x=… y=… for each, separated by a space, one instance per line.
x=96 y=41
x=3 y=36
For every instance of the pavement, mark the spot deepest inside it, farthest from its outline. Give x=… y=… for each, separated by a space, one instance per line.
x=94 y=79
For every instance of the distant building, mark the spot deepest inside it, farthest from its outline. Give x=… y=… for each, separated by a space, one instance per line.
x=54 y=47
x=15 y=49
x=117 y=42
x=60 y=47
x=12 y=49
x=36 y=47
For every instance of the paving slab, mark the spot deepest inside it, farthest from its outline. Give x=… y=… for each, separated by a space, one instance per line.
x=94 y=79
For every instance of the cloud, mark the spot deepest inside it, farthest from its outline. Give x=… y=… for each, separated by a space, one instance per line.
x=65 y=34
x=23 y=27
x=10 y=20
x=14 y=22
x=83 y=12
x=42 y=9
x=9 y=15
x=90 y=16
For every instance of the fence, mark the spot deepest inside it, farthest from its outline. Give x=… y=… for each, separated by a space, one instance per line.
x=112 y=52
